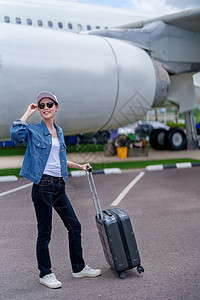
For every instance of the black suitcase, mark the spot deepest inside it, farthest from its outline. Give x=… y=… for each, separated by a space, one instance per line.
x=116 y=235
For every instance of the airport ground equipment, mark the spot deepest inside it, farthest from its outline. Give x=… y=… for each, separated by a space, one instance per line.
x=173 y=139
x=116 y=235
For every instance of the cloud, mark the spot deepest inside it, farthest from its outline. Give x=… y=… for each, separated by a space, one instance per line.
x=184 y=4
x=151 y=7
x=147 y=7
x=155 y=7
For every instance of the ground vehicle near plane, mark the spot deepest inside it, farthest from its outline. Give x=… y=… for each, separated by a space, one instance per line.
x=163 y=139
x=160 y=136
x=144 y=129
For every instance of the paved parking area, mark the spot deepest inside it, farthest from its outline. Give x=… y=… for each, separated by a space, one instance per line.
x=164 y=207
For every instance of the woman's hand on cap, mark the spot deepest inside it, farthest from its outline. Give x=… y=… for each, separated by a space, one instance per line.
x=32 y=108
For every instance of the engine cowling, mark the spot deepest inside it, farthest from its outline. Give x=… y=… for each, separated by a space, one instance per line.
x=162 y=84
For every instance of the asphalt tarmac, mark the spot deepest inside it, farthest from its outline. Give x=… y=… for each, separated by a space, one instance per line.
x=164 y=208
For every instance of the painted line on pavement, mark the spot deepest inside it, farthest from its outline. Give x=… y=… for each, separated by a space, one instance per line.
x=16 y=189
x=121 y=196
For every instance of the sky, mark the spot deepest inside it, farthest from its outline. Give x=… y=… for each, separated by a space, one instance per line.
x=154 y=7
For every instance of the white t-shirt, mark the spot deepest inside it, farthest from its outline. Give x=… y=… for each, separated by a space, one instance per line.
x=53 y=167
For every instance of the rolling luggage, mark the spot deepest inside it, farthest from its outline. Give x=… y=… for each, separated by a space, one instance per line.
x=116 y=235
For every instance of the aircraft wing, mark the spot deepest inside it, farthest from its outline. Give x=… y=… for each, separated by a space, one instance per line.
x=188 y=20
x=173 y=40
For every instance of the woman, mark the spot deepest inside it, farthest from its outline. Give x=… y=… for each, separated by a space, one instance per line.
x=45 y=164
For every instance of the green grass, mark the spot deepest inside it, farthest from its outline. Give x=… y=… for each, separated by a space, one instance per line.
x=122 y=165
x=70 y=149
x=85 y=148
x=7 y=172
x=12 y=151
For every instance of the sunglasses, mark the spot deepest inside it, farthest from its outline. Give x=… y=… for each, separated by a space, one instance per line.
x=48 y=104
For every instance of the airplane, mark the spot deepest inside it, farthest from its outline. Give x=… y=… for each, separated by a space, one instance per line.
x=106 y=66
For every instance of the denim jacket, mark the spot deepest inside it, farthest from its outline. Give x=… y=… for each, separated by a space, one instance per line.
x=39 y=141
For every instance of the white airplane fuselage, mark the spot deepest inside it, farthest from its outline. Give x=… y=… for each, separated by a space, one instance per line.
x=63 y=15
x=100 y=82
x=94 y=78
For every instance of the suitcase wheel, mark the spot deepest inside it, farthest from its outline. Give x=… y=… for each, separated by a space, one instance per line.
x=123 y=275
x=140 y=269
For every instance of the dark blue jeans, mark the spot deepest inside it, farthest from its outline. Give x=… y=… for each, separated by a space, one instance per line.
x=50 y=192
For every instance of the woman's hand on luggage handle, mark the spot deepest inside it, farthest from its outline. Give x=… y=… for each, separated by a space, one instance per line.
x=87 y=167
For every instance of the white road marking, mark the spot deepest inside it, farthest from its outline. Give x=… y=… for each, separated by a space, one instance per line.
x=127 y=189
x=16 y=189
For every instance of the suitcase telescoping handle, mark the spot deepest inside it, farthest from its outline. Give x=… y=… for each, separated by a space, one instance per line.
x=94 y=194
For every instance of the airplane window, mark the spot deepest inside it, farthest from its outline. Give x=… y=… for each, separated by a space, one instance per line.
x=50 y=24
x=79 y=27
x=29 y=21
x=97 y=27
x=70 y=26
x=39 y=22
x=18 y=21
x=7 y=19
x=60 y=25
x=88 y=27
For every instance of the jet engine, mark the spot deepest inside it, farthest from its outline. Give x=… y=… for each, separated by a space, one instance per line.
x=100 y=82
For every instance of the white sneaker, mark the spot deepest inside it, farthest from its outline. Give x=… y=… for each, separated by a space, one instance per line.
x=50 y=281
x=87 y=272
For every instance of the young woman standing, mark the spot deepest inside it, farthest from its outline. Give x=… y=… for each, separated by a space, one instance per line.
x=45 y=164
